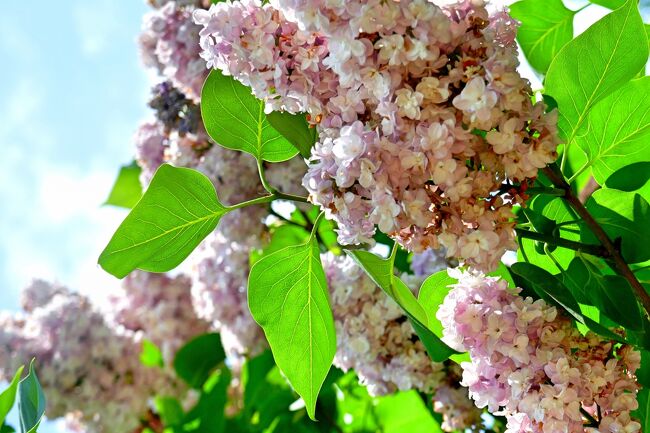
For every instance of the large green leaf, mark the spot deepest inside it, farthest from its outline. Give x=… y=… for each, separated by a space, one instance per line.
x=611 y=294
x=612 y=4
x=593 y=65
x=623 y=215
x=208 y=415
x=431 y=296
x=8 y=396
x=197 y=358
x=617 y=130
x=287 y=296
x=296 y=129
x=31 y=402
x=127 y=189
x=235 y=119
x=381 y=271
x=177 y=211
x=405 y=412
x=541 y=35
x=553 y=291
x=548 y=287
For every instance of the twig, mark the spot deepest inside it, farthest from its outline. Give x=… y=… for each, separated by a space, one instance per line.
x=620 y=266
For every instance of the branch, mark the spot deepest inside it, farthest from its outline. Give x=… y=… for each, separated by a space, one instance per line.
x=594 y=250
x=555 y=176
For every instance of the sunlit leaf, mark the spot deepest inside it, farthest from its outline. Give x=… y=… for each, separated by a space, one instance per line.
x=617 y=130
x=235 y=119
x=8 y=396
x=127 y=189
x=177 y=211
x=593 y=65
x=296 y=129
x=288 y=297
x=541 y=35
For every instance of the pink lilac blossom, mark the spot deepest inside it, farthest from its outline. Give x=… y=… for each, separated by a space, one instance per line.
x=90 y=371
x=169 y=43
x=530 y=364
x=160 y=308
x=426 y=130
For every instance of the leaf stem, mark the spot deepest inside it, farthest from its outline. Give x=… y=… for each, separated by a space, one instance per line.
x=319 y=218
x=265 y=184
x=259 y=200
x=619 y=264
x=594 y=250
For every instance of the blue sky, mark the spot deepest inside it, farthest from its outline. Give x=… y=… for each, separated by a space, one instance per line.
x=72 y=92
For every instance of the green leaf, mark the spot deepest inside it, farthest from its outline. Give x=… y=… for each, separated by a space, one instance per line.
x=170 y=410
x=611 y=294
x=177 y=211
x=151 y=356
x=611 y=4
x=432 y=294
x=253 y=375
x=127 y=189
x=593 y=65
x=548 y=287
x=553 y=291
x=381 y=272
x=541 y=35
x=617 y=130
x=31 y=402
x=296 y=129
x=208 y=415
x=8 y=396
x=287 y=296
x=282 y=236
x=405 y=412
x=622 y=215
x=235 y=119
x=6 y=428
x=196 y=359
x=632 y=178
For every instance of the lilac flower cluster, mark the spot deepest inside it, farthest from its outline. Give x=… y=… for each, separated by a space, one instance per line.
x=90 y=371
x=530 y=364
x=169 y=43
x=426 y=129
x=160 y=308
